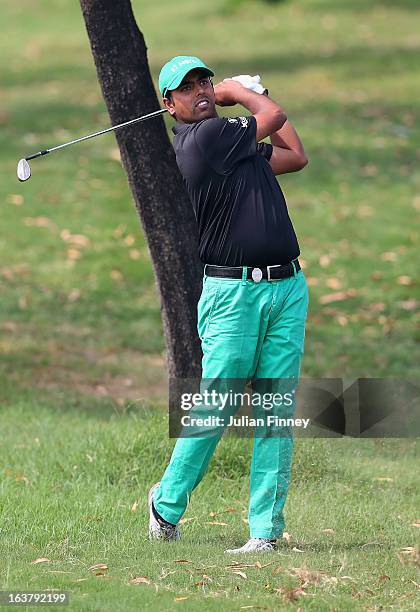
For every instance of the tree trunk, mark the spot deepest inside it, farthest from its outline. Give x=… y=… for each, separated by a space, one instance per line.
x=167 y=216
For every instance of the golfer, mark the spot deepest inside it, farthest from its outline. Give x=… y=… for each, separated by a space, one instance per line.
x=254 y=301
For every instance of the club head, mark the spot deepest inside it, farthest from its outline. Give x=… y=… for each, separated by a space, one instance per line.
x=23 y=170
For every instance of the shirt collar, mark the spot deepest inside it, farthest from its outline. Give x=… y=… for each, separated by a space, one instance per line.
x=180 y=127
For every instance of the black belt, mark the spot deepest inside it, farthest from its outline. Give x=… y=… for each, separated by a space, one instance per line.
x=256 y=274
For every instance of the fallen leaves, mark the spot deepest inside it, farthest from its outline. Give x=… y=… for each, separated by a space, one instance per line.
x=140 y=580
x=389 y=256
x=40 y=222
x=338 y=296
x=409 y=554
x=135 y=254
x=404 y=280
x=290 y=595
x=76 y=240
x=409 y=305
x=129 y=240
x=15 y=199
x=333 y=282
x=116 y=275
x=222 y=511
x=239 y=573
x=98 y=566
x=311 y=577
x=114 y=154
x=74 y=295
x=41 y=560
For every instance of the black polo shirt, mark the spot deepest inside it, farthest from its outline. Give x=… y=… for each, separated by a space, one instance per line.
x=239 y=206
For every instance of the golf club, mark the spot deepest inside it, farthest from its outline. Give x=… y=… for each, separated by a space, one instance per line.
x=24 y=169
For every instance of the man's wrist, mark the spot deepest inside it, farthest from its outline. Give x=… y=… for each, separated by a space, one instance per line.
x=255 y=102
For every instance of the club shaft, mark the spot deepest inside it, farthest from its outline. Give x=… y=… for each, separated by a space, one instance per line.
x=110 y=129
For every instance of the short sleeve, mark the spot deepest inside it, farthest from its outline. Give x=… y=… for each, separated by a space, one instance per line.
x=226 y=141
x=266 y=150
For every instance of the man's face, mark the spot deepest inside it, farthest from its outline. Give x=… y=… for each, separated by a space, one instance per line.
x=193 y=100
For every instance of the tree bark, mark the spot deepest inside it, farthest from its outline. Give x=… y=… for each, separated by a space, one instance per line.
x=167 y=216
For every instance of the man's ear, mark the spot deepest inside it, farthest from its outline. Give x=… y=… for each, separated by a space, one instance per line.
x=169 y=105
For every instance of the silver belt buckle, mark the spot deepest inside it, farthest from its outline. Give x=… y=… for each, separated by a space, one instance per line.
x=256 y=275
x=268 y=271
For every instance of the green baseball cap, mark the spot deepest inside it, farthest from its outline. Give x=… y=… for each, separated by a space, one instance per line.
x=173 y=72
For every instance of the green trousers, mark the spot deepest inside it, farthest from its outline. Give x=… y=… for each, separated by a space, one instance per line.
x=248 y=330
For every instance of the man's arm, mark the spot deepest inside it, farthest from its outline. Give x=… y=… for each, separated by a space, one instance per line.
x=288 y=152
x=269 y=115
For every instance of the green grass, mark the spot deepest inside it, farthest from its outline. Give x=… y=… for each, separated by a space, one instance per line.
x=72 y=474
x=82 y=366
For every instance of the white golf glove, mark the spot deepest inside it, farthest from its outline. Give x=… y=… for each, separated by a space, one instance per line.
x=250 y=82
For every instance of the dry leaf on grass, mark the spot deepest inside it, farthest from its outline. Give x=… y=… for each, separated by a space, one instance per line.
x=239 y=573
x=404 y=280
x=222 y=511
x=409 y=554
x=140 y=580
x=98 y=566
x=206 y=579
x=338 y=296
x=215 y=523
x=101 y=575
x=40 y=560
x=290 y=594
x=180 y=598
x=310 y=577
x=15 y=199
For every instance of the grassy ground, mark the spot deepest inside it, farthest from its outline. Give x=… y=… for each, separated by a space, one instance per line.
x=82 y=373
x=73 y=494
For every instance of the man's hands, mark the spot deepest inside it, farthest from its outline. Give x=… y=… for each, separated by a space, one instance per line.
x=251 y=82
x=228 y=92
